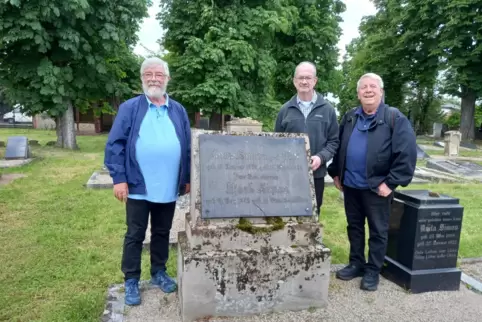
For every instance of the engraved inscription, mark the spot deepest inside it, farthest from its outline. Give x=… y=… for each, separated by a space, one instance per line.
x=439 y=235
x=253 y=176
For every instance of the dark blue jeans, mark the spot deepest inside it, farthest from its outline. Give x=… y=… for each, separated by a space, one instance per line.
x=137 y=216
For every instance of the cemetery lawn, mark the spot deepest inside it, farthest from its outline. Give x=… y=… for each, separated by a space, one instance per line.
x=61 y=244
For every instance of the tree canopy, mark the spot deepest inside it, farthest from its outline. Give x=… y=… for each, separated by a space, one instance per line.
x=422 y=49
x=238 y=57
x=57 y=54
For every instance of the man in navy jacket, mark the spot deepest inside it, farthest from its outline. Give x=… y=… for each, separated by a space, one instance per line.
x=377 y=153
x=148 y=155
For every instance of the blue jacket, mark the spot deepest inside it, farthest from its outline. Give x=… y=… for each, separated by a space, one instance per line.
x=391 y=150
x=120 y=149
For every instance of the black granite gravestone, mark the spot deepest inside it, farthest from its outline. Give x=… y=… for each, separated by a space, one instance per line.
x=253 y=176
x=17 y=148
x=423 y=241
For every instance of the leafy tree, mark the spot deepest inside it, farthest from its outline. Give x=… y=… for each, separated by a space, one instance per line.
x=313 y=36
x=57 y=54
x=238 y=57
x=220 y=54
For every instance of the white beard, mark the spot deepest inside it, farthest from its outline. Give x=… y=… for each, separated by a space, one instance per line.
x=154 y=91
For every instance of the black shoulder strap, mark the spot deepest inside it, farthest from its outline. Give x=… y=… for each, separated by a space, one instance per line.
x=390 y=117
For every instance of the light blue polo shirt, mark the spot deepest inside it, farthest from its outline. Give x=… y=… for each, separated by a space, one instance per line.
x=158 y=153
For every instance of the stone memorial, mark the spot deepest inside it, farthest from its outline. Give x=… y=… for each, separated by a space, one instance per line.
x=423 y=241
x=421 y=154
x=100 y=179
x=468 y=145
x=452 y=143
x=437 y=130
x=244 y=125
x=17 y=148
x=204 y=123
x=456 y=167
x=252 y=242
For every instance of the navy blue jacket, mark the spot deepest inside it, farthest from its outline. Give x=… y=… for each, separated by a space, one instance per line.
x=392 y=149
x=120 y=150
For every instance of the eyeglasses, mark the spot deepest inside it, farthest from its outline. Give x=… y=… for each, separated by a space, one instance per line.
x=306 y=78
x=157 y=75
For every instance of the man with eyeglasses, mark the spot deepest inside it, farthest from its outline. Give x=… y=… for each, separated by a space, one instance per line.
x=377 y=153
x=308 y=112
x=148 y=155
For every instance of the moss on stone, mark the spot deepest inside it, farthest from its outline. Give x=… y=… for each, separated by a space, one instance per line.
x=276 y=223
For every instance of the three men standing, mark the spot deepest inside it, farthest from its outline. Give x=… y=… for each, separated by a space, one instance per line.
x=148 y=155
x=308 y=112
x=377 y=153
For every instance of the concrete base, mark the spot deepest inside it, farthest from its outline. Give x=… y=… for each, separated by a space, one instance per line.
x=14 y=163
x=227 y=237
x=249 y=282
x=100 y=180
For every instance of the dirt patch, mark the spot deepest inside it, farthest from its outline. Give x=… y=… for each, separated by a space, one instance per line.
x=9 y=177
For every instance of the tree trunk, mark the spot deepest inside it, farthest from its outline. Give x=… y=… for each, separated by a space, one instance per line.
x=66 y=136
x=467 y=114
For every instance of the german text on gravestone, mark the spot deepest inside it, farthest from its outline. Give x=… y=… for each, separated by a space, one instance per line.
x=254 y=176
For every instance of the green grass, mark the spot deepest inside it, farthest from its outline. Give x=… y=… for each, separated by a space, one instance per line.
x=334 y=221
x=61 y=244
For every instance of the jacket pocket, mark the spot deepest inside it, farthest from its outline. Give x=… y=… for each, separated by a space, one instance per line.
x=294 y=124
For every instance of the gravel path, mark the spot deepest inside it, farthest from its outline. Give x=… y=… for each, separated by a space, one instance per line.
x=346 y=303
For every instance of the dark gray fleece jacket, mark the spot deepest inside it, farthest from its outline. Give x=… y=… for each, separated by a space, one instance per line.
x=321 y=125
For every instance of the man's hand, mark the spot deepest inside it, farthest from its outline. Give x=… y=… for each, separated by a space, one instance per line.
x=383 y=190
x=121 y=191
x=188 y=187
x=337 y=183
x=315 y=162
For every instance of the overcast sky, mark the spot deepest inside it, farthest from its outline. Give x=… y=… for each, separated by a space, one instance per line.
x=355 y=10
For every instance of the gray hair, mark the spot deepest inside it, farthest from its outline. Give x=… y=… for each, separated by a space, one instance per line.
x=154 y=61
x=305 y=62
x=372 y=76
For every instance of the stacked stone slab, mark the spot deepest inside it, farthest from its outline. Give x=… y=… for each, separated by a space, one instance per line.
x=227 y=270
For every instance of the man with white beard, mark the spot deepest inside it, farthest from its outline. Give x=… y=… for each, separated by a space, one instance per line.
x=148 y=154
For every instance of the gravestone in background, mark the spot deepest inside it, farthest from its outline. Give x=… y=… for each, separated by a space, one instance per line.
x=252 y=242
x=437 y=130
x=17 y=148
x=421 y=154
x=468 y=145
x=423 y=241
x=204 y=123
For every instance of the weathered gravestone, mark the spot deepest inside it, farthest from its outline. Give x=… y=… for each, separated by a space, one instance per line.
x=252 y=243
x=100 y=179
x=204 y=123
x=437 y=130
x=17 y=148
x=421 y=154
x=452 y=143
x=423 y=241
x=461 y=168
